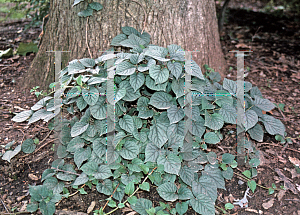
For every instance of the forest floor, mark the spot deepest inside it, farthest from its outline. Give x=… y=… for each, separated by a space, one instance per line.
x=273 y=66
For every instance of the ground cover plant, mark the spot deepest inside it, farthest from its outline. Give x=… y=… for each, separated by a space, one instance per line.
x=149 y=108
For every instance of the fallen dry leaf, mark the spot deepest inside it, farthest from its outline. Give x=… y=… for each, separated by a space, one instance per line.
x=268 y=204
x=280 y=194
x=91 y=207
x=294 y=161
x=33 y=177
x=293 y=172
x=287 y=182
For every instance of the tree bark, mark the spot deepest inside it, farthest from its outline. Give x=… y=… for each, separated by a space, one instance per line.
x=192 y=24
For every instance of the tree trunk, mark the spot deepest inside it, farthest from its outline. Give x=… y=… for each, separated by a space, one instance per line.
x=192 y=24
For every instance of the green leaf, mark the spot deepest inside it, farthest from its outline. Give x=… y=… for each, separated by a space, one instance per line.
x=255 y=92
x=82 y=179
x=184 y=193
x=157 y=134
x=137 y=80
x=98 y=111
x=228 y=174
x=212 y=157
x=272 y=125
x=133 y=41
x=205 y=104
x=130 y=30
x=78 y=128
x=229 y=206
x=47 y=208
x=151 y=152
x=215 y=76
x=129 y=189
x=256 y=133
x=178 y=87
x=82 y=155
x=87 y=12
x=22 y=116
x=215 y=174
x=187 y=175
x=206 y=186
x=159 y=75
x=214 y=121
x=121 y=205
x=175 y=68
x=32 y=207
x=196 y=70
x=167 y=191
x=125 y=68
x=132 y=200
x=227 y=158
x=271 y=191
x=96 y=6
x=254 y=162
x=181 y=208
x=202 y=204
x=103 y=172
x=223 y=98
x=90 y=96
x=198 y=128
x=81 y=104
x=28 y=146
x=175 y=114
x=145 y=186
x=88 y=62
x=252 y=185
x=131 y=95
x=230 y=85
x=75 y=144
x=112 y=203
x=251 y=119
x=263 y=104
x=41 y=103
x=141 y=206
x=89 y=168
x=105 y=187
x=129 y=150
x=156 y=52
x=211 y=138
x=117 y=39
x=150 y=83
x=126 y=123
x=25 y=48
x=171 y=163
x=247 y=173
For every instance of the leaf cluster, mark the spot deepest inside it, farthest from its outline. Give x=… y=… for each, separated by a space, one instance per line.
x=149 y=101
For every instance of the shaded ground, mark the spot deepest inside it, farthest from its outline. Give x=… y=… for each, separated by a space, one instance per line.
x=273 y=66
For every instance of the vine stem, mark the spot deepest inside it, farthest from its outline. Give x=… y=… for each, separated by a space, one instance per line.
x=86 y=40
x=244 y=177
x=111 y=196
x=223 y=210
x=137 y=189
x=144 y=13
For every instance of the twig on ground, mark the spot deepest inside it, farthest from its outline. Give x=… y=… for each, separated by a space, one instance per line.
x=4 y=204
x=60 y=170
x=23 y=135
